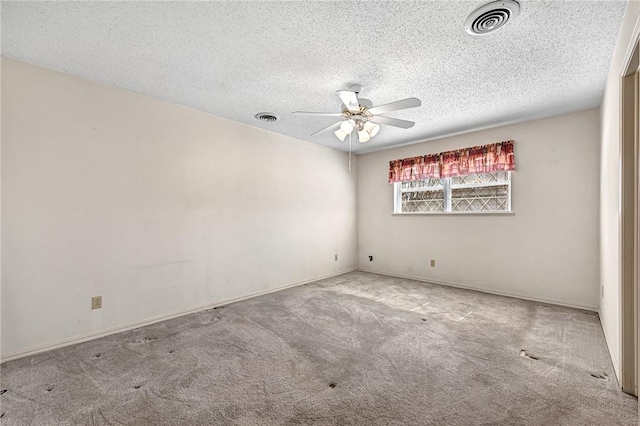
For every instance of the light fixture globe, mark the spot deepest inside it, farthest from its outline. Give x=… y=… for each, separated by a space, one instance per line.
x=363 y=136
x=340 y=134
x=372 y=128
x=347 y=126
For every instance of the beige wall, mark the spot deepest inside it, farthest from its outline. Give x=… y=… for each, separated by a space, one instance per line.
x=158 y=208
x=546 y=250
x=610 y=189
x=0 y=208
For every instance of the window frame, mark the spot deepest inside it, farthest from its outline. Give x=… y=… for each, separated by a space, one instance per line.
x=448 y=187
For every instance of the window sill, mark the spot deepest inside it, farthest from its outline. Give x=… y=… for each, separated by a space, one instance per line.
x=454 y=214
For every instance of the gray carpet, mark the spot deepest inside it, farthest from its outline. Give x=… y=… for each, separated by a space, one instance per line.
x=355 y=349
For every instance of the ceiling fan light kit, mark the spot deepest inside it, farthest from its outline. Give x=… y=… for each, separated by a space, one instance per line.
x=360 y=116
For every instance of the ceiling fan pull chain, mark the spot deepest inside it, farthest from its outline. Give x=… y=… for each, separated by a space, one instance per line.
x=350 y=153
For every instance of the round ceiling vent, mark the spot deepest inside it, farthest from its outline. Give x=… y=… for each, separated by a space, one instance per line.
x=491 y=17
x=267 y=116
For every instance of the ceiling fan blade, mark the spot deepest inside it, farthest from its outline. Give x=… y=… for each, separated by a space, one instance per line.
x=326 y=129
x=350 y=100
x=323 y=114
x=395 y=106
x=395 y=122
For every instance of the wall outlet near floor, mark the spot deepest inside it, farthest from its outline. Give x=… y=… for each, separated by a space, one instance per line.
x=96 y=302
x=433 y=263
x=335 y=258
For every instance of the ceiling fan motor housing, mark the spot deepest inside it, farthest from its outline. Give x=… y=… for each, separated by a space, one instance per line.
x=356 y=88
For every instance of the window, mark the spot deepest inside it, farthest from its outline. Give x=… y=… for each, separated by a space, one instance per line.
x=484 y=193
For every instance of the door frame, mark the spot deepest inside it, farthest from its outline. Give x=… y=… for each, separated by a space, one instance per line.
x=628 y=216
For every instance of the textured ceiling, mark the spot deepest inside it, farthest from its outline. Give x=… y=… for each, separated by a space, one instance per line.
x=235 y=59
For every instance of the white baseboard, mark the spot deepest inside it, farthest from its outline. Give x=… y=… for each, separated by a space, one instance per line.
x=611 y=349
x=119 y=329
x=482 y=290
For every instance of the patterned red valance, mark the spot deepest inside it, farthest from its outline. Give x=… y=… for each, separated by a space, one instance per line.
x=461 y=162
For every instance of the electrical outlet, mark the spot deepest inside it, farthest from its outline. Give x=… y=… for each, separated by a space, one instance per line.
x=433 y=263
x=335 y=258
x=96 y=302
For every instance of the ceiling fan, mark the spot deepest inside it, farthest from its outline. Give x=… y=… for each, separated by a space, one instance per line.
x=361 y=116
